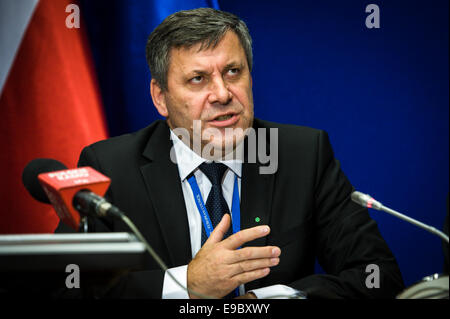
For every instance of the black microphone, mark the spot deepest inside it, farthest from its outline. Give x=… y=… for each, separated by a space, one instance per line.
x=30 y=176
x=367 y=201
x=74 y=184
x=67 y=189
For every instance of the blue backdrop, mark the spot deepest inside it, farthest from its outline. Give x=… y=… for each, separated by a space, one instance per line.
x=381 y=94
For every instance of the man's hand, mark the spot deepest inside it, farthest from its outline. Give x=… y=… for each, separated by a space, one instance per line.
x=219 y=267
x=248 y=295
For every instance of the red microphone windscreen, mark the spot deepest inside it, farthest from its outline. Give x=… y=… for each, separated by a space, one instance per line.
x=61 y=187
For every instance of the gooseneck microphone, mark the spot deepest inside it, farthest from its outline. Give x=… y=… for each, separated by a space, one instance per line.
x=92 y=204
x=73 y=192
x=367 y=201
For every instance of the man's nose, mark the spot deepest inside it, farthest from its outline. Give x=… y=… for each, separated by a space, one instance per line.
x=219 y=92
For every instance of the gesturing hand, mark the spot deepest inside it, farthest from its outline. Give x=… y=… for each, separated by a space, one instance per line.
x=219 y=267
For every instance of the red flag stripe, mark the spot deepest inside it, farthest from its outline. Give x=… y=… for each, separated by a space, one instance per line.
x=50 y=107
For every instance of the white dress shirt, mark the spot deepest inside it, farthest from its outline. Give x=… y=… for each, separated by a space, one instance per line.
x=188 y=161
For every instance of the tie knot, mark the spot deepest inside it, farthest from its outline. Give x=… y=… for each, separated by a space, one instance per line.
x=214 y=171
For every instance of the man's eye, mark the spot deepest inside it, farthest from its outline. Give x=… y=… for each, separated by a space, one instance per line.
x=197 y=79
x=233 y=71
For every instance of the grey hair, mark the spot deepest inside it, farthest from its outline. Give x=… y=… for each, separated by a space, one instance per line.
x=188 y=28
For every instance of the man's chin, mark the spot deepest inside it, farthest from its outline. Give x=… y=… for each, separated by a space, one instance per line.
x=223 y=149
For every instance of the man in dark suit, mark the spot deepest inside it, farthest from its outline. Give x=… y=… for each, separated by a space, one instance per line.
x=172 y=180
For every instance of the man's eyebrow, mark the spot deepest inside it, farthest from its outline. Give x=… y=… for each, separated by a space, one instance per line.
x=197 y=72
x=227 y=67
x=233 y=65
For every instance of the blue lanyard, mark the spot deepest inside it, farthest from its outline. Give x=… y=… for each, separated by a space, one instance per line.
x=235 y=207
x=235 y=210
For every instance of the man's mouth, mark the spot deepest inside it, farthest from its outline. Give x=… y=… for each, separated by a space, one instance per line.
x=225 y=120
x=223 y=117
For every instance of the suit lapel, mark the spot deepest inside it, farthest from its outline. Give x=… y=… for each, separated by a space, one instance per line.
x=164 y=188
x=256 y=202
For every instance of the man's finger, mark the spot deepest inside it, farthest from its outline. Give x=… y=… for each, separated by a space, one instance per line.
x=220 y=230
x=237 y=240
x=249 y=253
x=248 y=276
x=253 y=264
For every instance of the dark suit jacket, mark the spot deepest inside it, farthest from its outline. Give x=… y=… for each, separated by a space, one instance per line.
x=306 y=203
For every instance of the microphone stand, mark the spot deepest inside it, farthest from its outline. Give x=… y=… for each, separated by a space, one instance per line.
x=366 y=200
x=428 y=228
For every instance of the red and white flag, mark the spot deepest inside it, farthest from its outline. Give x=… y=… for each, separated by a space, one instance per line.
x=50 y=104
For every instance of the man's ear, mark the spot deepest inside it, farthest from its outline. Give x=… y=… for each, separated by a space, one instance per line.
x=158 y=98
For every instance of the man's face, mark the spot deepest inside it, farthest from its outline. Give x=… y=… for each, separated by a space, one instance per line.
x=213 y=86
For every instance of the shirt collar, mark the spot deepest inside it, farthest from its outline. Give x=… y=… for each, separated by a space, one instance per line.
x=188 y=161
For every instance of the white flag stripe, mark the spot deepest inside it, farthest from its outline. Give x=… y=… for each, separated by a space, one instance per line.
x=14 y=19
